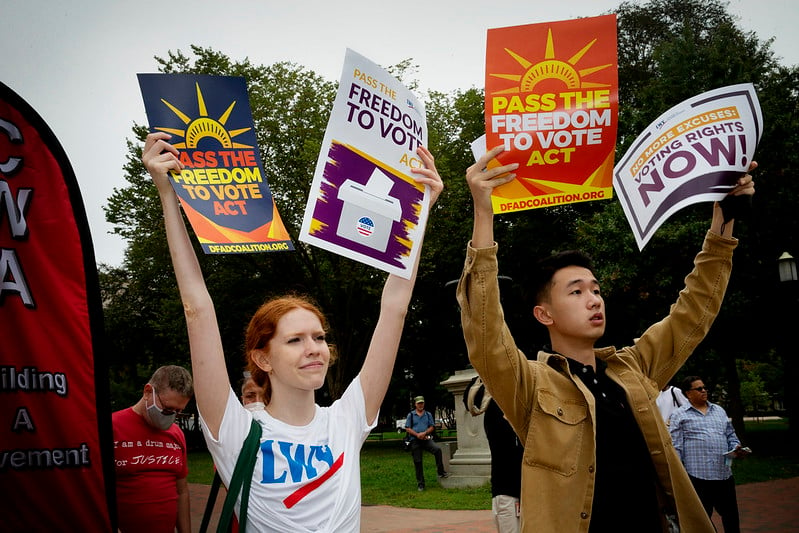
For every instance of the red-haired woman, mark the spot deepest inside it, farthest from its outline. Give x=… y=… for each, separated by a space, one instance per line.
x=307 y=475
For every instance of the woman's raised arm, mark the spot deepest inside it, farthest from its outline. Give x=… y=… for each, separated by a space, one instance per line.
x=211 y=387
x=379 y=362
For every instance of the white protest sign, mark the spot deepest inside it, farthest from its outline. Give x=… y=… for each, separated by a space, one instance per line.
x=364 y=203
x=694 y=152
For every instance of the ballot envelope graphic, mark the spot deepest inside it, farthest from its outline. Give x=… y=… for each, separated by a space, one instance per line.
x=369 y=211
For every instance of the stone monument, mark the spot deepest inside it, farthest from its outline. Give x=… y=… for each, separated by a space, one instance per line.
x=470 y=465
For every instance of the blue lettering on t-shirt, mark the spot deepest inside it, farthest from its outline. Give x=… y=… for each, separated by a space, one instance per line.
x=295 y=456
x=323 y=453
x=269 y=474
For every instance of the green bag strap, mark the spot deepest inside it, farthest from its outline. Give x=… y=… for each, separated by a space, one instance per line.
x=241 y=481
x=209 y=505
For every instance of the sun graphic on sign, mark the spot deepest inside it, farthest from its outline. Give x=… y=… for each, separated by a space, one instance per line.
x=551 y=69
x=204 y=126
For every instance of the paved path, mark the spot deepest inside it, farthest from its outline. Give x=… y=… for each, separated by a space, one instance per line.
x=772 y=507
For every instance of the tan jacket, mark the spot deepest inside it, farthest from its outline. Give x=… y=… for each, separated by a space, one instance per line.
x=553 y=412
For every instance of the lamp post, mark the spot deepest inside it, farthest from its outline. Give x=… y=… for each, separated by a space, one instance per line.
x=788 y=283
x=787 y=266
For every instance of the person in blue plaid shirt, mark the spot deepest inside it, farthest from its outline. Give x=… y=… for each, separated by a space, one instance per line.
x=703 y=435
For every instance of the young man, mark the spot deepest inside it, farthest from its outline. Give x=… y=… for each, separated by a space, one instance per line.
x=420 y=426
x=150 y=455
x=702 y=435
x=597 y=456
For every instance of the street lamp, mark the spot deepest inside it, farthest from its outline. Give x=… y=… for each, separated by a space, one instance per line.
x=787 y=266
x=788 y=280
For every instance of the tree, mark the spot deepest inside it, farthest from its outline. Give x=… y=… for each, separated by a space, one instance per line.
x=669 y=50
x=290 y=108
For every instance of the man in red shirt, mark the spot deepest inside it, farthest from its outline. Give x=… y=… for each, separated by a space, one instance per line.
x=150 y=456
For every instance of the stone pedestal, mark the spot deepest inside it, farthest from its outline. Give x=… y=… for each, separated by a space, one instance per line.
x=470 y=465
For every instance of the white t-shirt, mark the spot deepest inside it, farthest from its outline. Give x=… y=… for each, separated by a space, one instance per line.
x=670 y=400
x=306 y=478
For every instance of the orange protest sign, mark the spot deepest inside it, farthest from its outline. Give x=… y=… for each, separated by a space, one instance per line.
x=551 y=97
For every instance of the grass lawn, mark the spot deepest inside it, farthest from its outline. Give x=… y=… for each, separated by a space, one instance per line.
x=388 y=478
x=387 y=474
x=772 y=456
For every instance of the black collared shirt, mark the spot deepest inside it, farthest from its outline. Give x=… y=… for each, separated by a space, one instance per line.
x=625 y=498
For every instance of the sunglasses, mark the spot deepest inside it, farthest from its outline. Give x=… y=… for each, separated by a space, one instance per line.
x=165 y=412
x=699 y=389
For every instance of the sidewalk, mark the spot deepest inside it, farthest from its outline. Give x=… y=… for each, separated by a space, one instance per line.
x=771 y=506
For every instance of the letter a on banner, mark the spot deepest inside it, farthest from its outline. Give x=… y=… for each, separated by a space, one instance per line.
x=56 y=443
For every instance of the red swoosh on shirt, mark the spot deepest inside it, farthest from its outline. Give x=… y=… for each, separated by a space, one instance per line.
x=293 y=498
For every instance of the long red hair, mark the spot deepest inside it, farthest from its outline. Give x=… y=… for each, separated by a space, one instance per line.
x=262 y=328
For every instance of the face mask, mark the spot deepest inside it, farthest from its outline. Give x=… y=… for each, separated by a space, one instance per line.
x=255 y=406
x=158 y=419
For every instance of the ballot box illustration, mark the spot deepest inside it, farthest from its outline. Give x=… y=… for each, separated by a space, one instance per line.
x=369 y=211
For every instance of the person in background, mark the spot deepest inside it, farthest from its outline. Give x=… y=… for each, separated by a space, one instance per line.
x=669 y=400
x=150 y=456
x=420 y=425
x=706 y=443
x=506 y=456
x=288 y=355
x=597 y=456
x=252 y=396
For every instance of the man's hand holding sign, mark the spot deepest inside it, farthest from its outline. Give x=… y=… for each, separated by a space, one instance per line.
x=694 y=152
x=735 y=205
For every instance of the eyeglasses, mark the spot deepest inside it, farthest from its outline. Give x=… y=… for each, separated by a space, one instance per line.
x=165 y=412
x=699 y=389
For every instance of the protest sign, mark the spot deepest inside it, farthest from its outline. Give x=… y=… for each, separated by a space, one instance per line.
x=694 y=152
x=363 y=203
x=222 y=187
x=56 y=443
x=551 y=98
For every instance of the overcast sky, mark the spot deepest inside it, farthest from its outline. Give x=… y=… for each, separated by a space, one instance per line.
x=75 y=61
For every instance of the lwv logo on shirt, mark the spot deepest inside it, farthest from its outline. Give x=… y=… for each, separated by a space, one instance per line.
x=299 y=466
x=302 y=462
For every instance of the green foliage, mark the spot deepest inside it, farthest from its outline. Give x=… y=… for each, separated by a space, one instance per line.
x=388 y=478
x=760 y=382
x=753 y=396
x=669 y=50
x=290 y=109
x=432 y=345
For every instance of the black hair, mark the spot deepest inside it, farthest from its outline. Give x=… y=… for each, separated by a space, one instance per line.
x=545 y=270
x=685 y=385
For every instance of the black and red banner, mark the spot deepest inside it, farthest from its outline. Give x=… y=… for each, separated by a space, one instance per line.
x=56 y=443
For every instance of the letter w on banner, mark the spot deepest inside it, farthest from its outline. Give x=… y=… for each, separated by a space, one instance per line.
x=56 y=455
